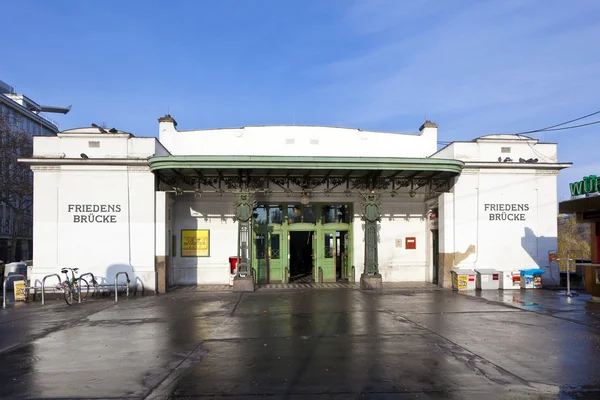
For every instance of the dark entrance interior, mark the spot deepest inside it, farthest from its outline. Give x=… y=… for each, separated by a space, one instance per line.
x=301 y=252
x=436 y=255
x=341 y=255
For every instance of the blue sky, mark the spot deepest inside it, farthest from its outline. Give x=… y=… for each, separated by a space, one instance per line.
x=474 y=67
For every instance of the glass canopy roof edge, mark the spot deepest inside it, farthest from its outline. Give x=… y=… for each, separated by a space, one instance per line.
x=308 y=163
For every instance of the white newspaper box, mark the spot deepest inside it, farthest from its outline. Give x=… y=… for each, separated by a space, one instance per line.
x=488 y=279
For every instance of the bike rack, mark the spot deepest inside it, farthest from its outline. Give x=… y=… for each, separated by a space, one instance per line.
x=6 y=279
x=79 y=283
x=44 y=285
x=116 y=286
x=94 y=283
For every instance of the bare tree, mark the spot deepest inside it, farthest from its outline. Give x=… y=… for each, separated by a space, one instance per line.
x=16 y=184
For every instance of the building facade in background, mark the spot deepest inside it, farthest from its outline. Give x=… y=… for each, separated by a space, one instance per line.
x=20 y=113
x=291 y=204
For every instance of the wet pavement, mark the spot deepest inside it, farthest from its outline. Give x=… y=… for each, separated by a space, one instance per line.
x=408 y=341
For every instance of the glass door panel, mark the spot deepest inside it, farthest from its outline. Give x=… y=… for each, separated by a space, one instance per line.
x=329 y=254
x=260 y=254
x=275 y=261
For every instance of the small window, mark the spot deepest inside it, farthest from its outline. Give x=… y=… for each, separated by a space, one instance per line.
x=328 y=214
x=298 y=213
x=294 y=214
x=93 y=144
x=335 y=214
x=505 y=149
x=343 y=214
x=290 y=141
x=275 y=215
x=260 y=215
x=314 y=141
x=308 y=215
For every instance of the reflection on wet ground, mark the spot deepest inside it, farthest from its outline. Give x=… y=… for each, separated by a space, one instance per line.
x=330 y=343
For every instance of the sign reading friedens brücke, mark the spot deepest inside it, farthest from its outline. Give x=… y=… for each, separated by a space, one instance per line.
x=94 y=213
x=506 y=211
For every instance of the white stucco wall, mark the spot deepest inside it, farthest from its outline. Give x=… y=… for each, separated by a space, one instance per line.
x=211 y=212
x=402 y=219
x=120 y=200
x=507 y=211
x=489 y=148
x=297 y=141
x=70 y=144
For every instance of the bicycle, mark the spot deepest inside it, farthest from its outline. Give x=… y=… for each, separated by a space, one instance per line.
x=71 y=286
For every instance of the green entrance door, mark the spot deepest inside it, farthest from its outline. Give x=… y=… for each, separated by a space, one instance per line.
x=328 y=249
x=341 y=257
x=274 y=263
x=259 y=251
x=312 y=244
x=268 y=266
x=334 y=255
x=267 y=252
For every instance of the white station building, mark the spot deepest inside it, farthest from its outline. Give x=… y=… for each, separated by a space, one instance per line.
x=291 y=204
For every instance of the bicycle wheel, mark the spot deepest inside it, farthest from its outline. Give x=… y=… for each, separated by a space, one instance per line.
x=85 y=288
x=68 y=292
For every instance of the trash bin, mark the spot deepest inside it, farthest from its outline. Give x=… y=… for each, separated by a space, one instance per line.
x=232 y=269
x=463 y=279
x=488 y=279
x=233 y=265
x=531 y=278
x=14 y=268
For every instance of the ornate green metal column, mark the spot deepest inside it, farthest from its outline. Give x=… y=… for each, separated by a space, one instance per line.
x=371 y=279
x=244 y=205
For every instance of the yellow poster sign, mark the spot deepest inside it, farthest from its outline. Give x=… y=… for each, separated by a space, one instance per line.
x=463 y=281
x=195 y=243
x=19 y=287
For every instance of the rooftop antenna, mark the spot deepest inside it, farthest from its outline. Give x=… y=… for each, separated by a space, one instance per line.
x=294 y=117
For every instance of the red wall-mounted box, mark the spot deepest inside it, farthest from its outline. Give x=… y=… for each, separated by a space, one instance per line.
x=411 y=243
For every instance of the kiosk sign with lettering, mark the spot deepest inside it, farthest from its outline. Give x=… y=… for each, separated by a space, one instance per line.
x=588 y=185
x=506 y=211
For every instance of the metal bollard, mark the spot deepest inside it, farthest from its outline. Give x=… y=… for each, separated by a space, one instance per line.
x=79 y=283
x=117 y=287
x=4 y=288
x=568 y=276
x=44 y=285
